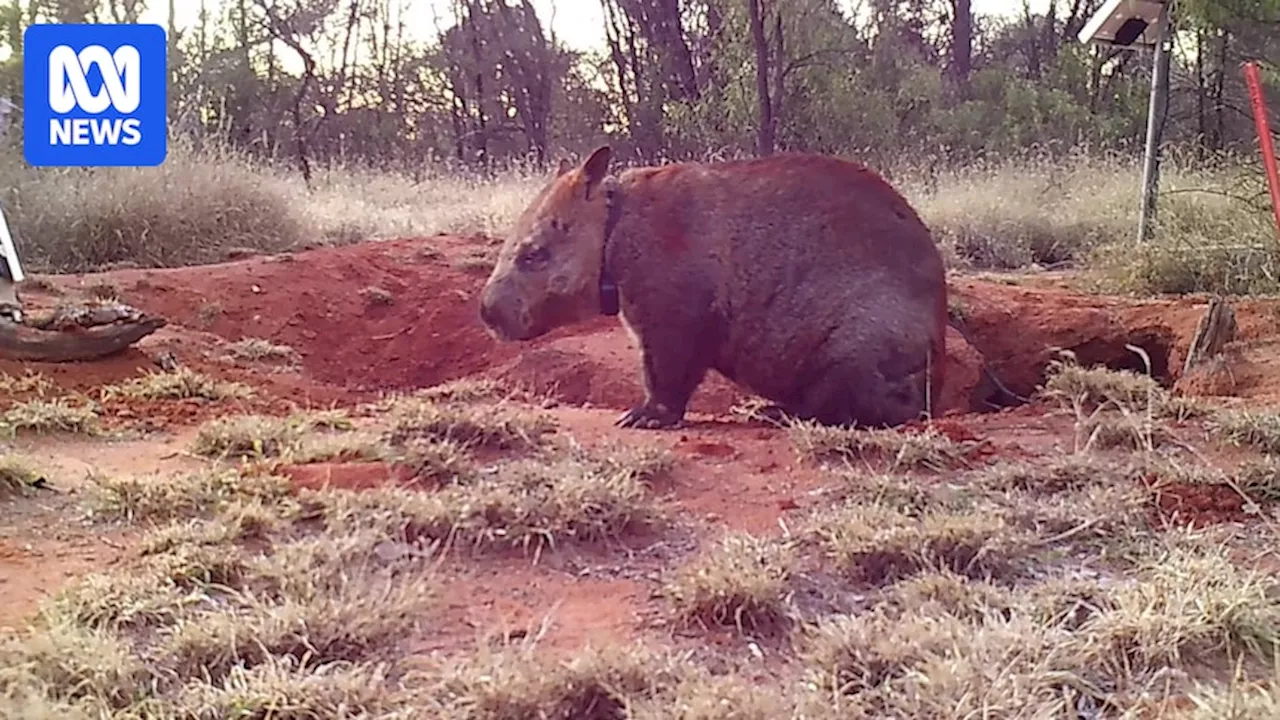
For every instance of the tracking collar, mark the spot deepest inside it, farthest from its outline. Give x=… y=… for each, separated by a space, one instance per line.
x=609 y=302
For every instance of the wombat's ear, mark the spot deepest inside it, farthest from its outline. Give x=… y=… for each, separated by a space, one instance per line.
x=596 y=167
x=563 y=167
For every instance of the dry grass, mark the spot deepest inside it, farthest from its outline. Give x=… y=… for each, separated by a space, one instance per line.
x=741 y=583
x=28 y=382
x=333 y=419
x=58 y=415
x=1056 y=475
x=1190 y=603
x=189 y=210
x=1127 y=432
x=1010 y=216
x=436 y=460
x=281 y=686
x=71 y=662
x=523 y=503
x=200 y=207
x=344 y=447
x=248 y=436
x=500 y=426
x=472 y=390
x=1258 y=428
x=1083 y=210
x=1207 y=240
x=326 y=436
x=1117 y=408
x=622 y=681
x=905 y=450
x=252 y=349
x=162 y=498
x=180 y=384
x=1239 y=701
x=597 y=684
x=1096 y=387
x=355 y=622
x=16 y=476
x=947 y=593
x=878 y=544
x=232 y=606
x=879 y=665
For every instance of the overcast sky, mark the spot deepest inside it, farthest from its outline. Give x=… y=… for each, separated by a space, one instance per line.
x=578 y=23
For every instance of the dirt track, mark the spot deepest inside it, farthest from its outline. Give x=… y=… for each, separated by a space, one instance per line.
x=419 y=328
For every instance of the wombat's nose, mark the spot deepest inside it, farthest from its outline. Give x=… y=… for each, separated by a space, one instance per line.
x=487 y=313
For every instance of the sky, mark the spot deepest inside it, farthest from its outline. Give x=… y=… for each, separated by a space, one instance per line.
x=577 y=23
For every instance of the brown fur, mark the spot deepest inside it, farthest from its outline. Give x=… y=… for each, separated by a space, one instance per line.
x=805 y=278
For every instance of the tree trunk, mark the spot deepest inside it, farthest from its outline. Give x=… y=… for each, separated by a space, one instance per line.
x=962 y=46
x=765 y=128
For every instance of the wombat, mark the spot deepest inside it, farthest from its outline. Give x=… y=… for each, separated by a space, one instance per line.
x=806 y=279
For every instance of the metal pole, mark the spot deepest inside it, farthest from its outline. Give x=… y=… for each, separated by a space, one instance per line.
x=1155 y=126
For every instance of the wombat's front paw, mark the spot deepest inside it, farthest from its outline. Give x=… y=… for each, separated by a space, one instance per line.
x=649 y=417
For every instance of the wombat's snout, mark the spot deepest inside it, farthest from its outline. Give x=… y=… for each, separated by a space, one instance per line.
x=504 y=318
x=489 y=313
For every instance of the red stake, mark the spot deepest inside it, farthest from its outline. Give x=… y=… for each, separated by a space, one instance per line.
x=1251 y=76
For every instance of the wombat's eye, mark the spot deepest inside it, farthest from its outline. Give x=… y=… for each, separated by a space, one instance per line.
x=533 y=257
x=559 y=225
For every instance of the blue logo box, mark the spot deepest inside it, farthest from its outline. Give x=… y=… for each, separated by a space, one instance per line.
x=95 y=95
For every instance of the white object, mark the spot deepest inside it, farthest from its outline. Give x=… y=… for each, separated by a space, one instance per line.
x=8 y=251
x=1124 y=23
x=121 y=79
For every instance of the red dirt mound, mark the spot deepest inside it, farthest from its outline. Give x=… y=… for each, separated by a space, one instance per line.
x=399 y=314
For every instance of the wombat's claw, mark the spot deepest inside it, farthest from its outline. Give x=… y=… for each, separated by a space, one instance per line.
x=648 y=418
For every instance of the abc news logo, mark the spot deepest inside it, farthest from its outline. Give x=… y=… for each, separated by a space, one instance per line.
x=69 y=89
x=95 y=95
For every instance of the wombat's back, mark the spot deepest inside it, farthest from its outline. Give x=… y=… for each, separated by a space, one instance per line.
x=813 y=259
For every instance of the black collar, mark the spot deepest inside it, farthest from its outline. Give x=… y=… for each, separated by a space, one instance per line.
x=609 y=302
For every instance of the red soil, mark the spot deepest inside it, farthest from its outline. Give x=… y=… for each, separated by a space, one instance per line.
x=739 y=475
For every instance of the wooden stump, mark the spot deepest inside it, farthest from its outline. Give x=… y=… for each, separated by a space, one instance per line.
x=1216 y=328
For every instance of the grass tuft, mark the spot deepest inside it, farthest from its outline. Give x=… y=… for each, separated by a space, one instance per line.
x=1097 y=386
x=364 y=617
x=1257 y=428
x=498 y=427
x=74 y=664
x=906 y=450
x=1060 y=474
x=594 y=685
x=51 y=416
x=180 y=384
x=521 y=503
x=29 y=382
x=164 y=498
x=741 y=583
x=283 y=686
x=16 y=477
x=248 y=436
x=1187 y=602
x=252 y=349
x=876 y=544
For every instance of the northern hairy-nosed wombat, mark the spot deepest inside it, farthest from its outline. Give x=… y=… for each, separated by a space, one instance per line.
x=806 y=279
